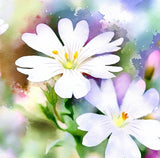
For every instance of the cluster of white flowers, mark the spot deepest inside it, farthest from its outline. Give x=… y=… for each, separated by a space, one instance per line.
x=76 y=57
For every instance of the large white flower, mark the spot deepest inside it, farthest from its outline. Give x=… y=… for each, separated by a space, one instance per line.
x=71 y=59
x=3 y=26
x=121 y=121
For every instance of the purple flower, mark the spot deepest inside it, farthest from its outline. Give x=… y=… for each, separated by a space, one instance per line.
x=152 y=154
x=136 y=4
x=7 y=153
x=150 y=59
x=119 y=122
x=152 y=65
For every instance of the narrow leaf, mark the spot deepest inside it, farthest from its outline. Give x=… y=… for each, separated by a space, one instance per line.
x=53 y=144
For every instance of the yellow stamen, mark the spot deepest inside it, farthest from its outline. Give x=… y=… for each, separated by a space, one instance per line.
x=66 y=55
x=69 y=65
x=121 y=119
x=158 y=43
x=75 y=55
x=124 y=115
x=55 y=52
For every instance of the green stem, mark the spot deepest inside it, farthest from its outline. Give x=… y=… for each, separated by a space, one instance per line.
x=56 y=113
x=58 y=117
x=81 y=149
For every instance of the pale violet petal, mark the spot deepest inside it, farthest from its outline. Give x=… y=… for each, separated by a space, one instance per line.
x=99 y=132
x=89 y=120
x=96 y=66
x=72 y=82
x=103 y=98
x=136 y=87
x=94 y=95
x=137 y=104
x=73 y=39
x=120 y=145
x=38 y=68
x=44 y=41
x=152 y=97
x=100 y=44
x=146 y=132
x=109 y=97
x=123 y=80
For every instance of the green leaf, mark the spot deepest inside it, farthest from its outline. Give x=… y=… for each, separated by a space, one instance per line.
x=50 y=94
x=126 y=63
x=71 y=124
x=63 y=110
x=53 y=144
x=68 y=104
x=6 y=97
x=48 y=113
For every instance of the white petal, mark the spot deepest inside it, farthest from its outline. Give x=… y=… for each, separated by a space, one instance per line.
x=44 y=41
x=105 y=98
x=96 y=66
x=138 y=105
x=89 y=120
x=3 y=28
x=65 y=29
x=121 y=145
x=99 y=129
x=32 y=61
x=100 y=44
x=114 y=68
x=1 y=21
x=114 y=46
x=146 y=132
x=72 y=82
x=38 y=68
x=73 y=39
x=81 y=33
x=40 y=74
x=94 y=95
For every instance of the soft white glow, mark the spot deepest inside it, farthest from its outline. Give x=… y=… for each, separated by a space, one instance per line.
x=114 y=12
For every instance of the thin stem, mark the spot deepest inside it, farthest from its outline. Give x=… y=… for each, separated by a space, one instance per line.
x=56 y=113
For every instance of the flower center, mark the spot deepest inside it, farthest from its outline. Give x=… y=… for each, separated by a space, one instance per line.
x=121 y=119
x=69 y=62
x=68 y=65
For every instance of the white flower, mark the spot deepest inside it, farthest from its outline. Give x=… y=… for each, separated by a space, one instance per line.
x=72 y=59
x=3 y=26
x=121 y=121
